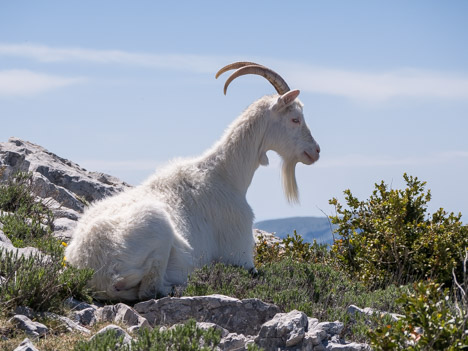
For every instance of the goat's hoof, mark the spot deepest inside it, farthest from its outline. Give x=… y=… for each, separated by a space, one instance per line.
x=253 y=271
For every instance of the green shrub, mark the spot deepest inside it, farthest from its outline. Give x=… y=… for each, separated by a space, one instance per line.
x=186 y=337
x=431 y=322
x=319 y=290
x=292 y=247
x=108 y=341
x=40 y=281
x=26 y=219
x=390 y=239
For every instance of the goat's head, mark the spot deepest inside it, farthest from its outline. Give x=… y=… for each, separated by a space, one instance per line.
x=288 y=133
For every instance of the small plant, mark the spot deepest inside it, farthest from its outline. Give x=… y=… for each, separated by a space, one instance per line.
x=39 y=280
x=390 y=239
x=430 y=322
x=26 y=219
x=186 y=337
x=108 y=341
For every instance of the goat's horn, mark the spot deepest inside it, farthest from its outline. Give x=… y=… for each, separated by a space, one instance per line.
x=274 y=78
x=235 y=65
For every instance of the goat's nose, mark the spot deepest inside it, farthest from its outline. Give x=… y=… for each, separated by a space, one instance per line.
x=318 y=149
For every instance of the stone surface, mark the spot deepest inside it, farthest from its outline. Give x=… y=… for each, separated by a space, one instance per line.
x=233 y=341
x=346 y=347
x=237 y=316
x=207 y=325
x=67 y=186
x=76 y=305
x=284 y=330
x=4 y=239
x=353 y=309
x=26 y=345
x=25 y=311
x=118 y=333
x=84 y=317
x=70 y=325
x=7 y=246
x=121 y=313
x=34 y=329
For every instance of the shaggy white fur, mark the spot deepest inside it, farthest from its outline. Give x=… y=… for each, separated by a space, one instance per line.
x=193 y=212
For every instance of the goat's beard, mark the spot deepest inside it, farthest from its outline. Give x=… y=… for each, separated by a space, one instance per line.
x=288 y=173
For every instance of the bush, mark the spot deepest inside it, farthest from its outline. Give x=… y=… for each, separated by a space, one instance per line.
x=292 y=247
x=390 y=239
x=41 y=280
x=26 y=219
x=38 y=281
x=431 y=322
x=186 y=337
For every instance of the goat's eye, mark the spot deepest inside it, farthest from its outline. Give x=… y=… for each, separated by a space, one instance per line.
x=296 y=120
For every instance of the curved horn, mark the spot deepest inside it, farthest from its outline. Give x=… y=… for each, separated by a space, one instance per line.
x=235 y=65
x=274 y=78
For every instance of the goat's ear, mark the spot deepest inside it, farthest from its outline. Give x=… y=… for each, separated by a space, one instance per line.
x=285 y=99
x=264 y=159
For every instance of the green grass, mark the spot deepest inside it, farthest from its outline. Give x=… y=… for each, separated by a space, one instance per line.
x=317 y=289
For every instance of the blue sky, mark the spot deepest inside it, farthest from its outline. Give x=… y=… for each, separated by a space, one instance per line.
x=122 y=87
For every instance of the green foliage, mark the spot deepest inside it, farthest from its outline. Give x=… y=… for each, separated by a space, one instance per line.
x=292 y=247
x=186 y=337
x=390 y=239
x=26 y=219
x=319 y=290
x=108 y=341
x=431 y=322
x=38 y=281
x=41 y=280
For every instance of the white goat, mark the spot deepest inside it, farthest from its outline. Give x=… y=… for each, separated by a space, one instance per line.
x=193 y=212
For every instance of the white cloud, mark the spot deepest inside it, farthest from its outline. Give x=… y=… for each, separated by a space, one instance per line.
x=365 y=86
x=356 y=160
x=15 y=83
x=356 y=85
x=195 y=63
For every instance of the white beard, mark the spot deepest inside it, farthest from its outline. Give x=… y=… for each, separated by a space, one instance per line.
x=288 y=173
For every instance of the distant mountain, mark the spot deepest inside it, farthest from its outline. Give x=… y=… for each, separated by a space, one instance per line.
x=310 y=228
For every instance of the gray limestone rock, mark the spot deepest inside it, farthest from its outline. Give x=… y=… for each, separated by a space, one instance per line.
x=352 y=309
x=235 y=342
x=207 y=325
x=70 y=325
x=26 y=345
x=284 y=330
x=122 y=313
x=68 y=187
x=34 y=329
x=237 y=316
x=86 y=316
x=118 y=333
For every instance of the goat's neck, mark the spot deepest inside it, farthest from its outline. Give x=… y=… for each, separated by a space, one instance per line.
x=236 y=156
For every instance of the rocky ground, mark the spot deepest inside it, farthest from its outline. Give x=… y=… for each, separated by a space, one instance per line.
x=68 y=188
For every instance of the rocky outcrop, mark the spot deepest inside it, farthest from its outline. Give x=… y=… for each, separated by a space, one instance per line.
x=66 y=186
x=26 y=345
x=239 y=316
x=33 y=329
x=240 y=322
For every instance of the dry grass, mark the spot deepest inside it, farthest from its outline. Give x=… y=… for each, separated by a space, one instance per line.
x=58 y=337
